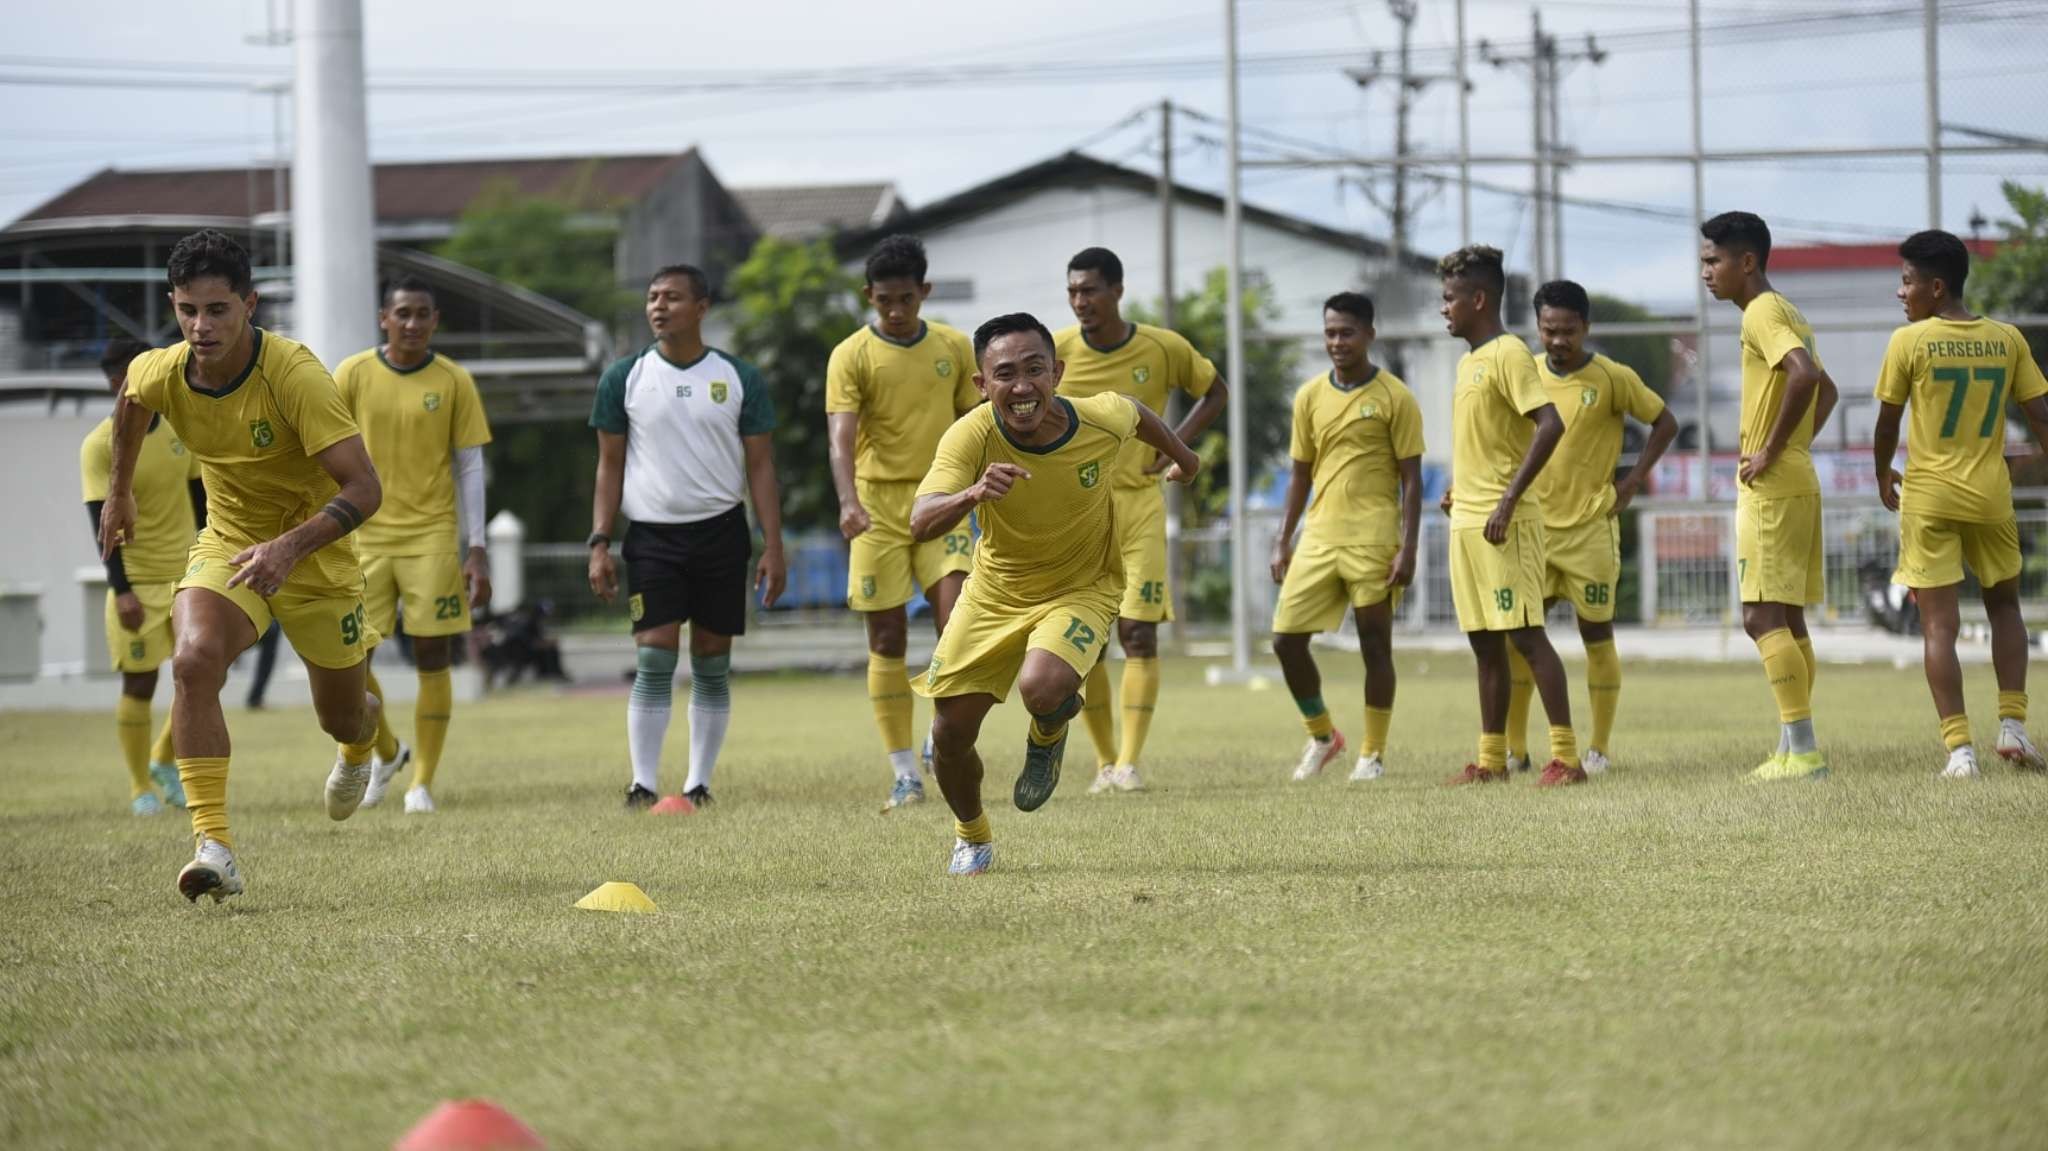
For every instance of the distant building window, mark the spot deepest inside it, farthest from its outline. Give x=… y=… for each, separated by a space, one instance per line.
x=944 y=291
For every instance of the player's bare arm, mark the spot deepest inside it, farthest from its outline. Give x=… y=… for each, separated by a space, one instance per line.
x=264 y=567
x=604 y=513
x=935 y=515
x=1884 y=447
x=842 y=429
x=1403 y=572
x=2036 y=412
x=1299 y=481
x=1153 y=432
x=117 y=515
x=771 y=574
x=1663 y=430
x=1197 y=421
x=1824 y=399
x=1549 y=430
x=1802 y=385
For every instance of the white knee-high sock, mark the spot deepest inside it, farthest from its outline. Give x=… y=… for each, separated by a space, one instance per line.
x=710 y=714
x=647 y=712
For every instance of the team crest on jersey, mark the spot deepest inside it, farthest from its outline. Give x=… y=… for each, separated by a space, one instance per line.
x=432 y=401
x=135 y=650
x=718 y=391
x=867 y=587
x=684 y=391
x=944 y=368
x=1367 y=410
x=931 y=673
x=1588 y=396
x=1089 y=472
x=636 y=607
x=177 y=448
x=1479 y=374
x=260 y=433
x=1140 y=374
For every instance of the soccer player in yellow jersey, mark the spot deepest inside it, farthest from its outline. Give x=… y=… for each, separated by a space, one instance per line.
x=424 y=425
x=287 y=480
x=1103 y=352
x=891 y=390
x=170 y=504
x=1037 y=468
x=1582 y=502
x=1786 y=399
x=1503 y=431
x=1956 y=371
x=1357 y=440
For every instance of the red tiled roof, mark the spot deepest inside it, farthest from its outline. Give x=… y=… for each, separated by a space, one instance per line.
x=1846 y=257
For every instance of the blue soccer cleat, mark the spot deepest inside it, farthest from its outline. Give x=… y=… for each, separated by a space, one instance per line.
x=908 y=790
x=165 y=776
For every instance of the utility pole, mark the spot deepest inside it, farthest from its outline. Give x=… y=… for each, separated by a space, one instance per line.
x=1166 y=308
x=1546 y=69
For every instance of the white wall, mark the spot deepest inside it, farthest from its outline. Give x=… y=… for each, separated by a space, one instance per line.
x=43 y=525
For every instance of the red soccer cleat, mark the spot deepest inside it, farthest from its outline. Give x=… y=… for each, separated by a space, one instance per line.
x=1474 y=773
x=1561 y=774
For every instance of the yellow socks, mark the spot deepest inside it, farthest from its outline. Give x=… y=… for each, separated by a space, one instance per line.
x=1603 y=687
x=358 y=754
x=975 y=830
x=1315 y=717
x=1141 y=695
x=163 y=752
x=1564 y=745
x=1377 y=720
x=1955 y=731
x=387 y=740
x=1521 y=686
x=1806 y=654
x=430 y=716
x=1095 y=712
x=889 y=695
x=1787 y=672
x=206 y=797
x=1493 y=751
x=2012 y=705
x=131 y=726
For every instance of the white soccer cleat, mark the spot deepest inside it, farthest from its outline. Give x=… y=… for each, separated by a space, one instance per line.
x=382 y=772
x=211 y=872
x=1517 y=762
x=1317 y=754
x=418 y=802
x=1369 y=768
x=1124 y=777
x=1594 y=762
x=2016 y=749
x=345 y=787
x=1105 y=780
x=1962 y=764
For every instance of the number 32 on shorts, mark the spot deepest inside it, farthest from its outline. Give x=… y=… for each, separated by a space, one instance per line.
x=1080 y=634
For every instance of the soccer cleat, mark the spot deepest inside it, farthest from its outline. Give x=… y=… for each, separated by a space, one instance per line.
x=1594 y=762
x=971 y=858
x=1124 y=777
x=1558 y=773
x=211 y=872
x=1518 y=762
x=418 y=802
x=1041 y=774
x=1791 y=765
x=1317 y=754
x=639 y=798
x=1474 y=773
x=2016 y=749
x=908 y=790
x=145 y=804
x=1369 y=768
x=345 y=787
x=1105 y=779
x=699 y=796
x=382 y=772
x=165 y=776
x=1962 y=764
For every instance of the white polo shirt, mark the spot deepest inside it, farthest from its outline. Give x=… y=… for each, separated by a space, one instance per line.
x=683 y=424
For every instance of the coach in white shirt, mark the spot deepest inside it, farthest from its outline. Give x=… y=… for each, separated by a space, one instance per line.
x=683 y=436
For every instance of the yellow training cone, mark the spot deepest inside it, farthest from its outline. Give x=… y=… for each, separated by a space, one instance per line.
x=617 y=896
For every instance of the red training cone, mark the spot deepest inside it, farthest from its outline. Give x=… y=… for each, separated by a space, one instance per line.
x=673 y=805
x=470 y=1125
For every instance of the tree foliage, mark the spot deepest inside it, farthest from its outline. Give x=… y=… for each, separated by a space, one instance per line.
x=2015 y=281
x=1650 y=356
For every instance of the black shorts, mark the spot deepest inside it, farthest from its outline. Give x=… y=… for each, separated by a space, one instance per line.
x=693 y=573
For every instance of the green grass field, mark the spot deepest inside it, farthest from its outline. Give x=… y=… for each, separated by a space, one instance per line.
x=1667 y=957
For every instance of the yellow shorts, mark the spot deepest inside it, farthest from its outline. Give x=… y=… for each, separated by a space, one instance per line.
x=882 y=561
x=1324 y=578
x=1583 y=564
x=147 y=647
x=1933 y=550
x=327 y=626
x=1778 y=549
x=435 y=594
x=986 y=640
x=1141 y=537
x=1498 y=588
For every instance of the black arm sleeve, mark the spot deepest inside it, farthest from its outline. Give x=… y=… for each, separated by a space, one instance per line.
x=117 y=574
x=198 y=490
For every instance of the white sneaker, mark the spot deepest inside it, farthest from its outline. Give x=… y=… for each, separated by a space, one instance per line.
x=1962 y=764
x=1594 y=762
x=211 y=872
x=382 y=772
x=418 y=802
x=1105 y=779
x=1517 y=762
x=1317 y=754
x=2016 y=749
x=345 y=786
x=1369 y=768
x=1124 y=777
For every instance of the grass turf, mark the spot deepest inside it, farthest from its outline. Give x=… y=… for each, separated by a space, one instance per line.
x=1668 y=956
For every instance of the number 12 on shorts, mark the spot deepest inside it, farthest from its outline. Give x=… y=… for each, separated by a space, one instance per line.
x=1080 y=634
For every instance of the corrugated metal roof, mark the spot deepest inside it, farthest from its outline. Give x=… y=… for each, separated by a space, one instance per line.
x=804 y=210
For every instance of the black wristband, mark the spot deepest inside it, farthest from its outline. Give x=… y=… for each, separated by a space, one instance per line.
x=597 y=538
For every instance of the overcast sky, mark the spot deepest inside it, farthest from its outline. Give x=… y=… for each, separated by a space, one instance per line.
x=1029 y=78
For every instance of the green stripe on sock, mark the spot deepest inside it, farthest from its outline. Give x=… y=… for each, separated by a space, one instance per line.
x=654 y=676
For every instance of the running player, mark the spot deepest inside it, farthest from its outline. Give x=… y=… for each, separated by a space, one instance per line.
x=1103 y=352
x=683 y=438
x=1038 y=468
x=1786 y=399
x=1503 y=431
x=1956 y=371
x=425 y=428
x=891 y=390
x=1357 y=441
x=142 y=578
x=288 y=480
x=1582 y=503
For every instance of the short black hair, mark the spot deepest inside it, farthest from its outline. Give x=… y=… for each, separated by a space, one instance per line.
x=209 y=252
x=897 y=258
x=1010 y=324
x=1479 y=263
x=1740 y=232
x=700 y=285
x=1939 y=254
x=1355 y=304
x=1564 y=294
x=120 y=352
x=409 y=284
x=1100 y=260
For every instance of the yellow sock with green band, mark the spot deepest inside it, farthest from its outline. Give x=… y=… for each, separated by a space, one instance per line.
x=1141 y=695
x=206 y=797
x=1521 y=686
x=975 y=830
x=1377 y=721
x=889 y=696
x=164 y=752
x=1955 y=731
x=1315 y=717
x=1603 y=689
x=430 y=715
x=131 y=727
x=386 y=744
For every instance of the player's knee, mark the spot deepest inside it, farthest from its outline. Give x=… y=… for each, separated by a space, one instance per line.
x=1532 y=642
x=344 y=719
x=431 y=653
x=952 y=736
x=888 y=633
x=1290 y=645
x=198 y=667
x=139 y=684
x=1758 y=620
x=1140 y=638
x=1596 y=631
x=1043 y=692
x=1376 y=646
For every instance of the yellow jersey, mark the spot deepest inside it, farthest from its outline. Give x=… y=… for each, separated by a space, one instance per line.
x=256 y=439
x=1771 y=328
x=1955 y=377
x=413 y=421
x=906 y=394
x=1355 y=436
x=164 y=523
x=1490 y=430
x=1055 y=532
x=1145 y=366
x=1577 y=485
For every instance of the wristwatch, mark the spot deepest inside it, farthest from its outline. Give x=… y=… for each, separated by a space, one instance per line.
x=597 y=538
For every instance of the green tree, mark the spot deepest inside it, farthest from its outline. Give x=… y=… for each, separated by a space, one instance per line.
x=1650 y=356
x=793 y=304
x=2015 y=281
